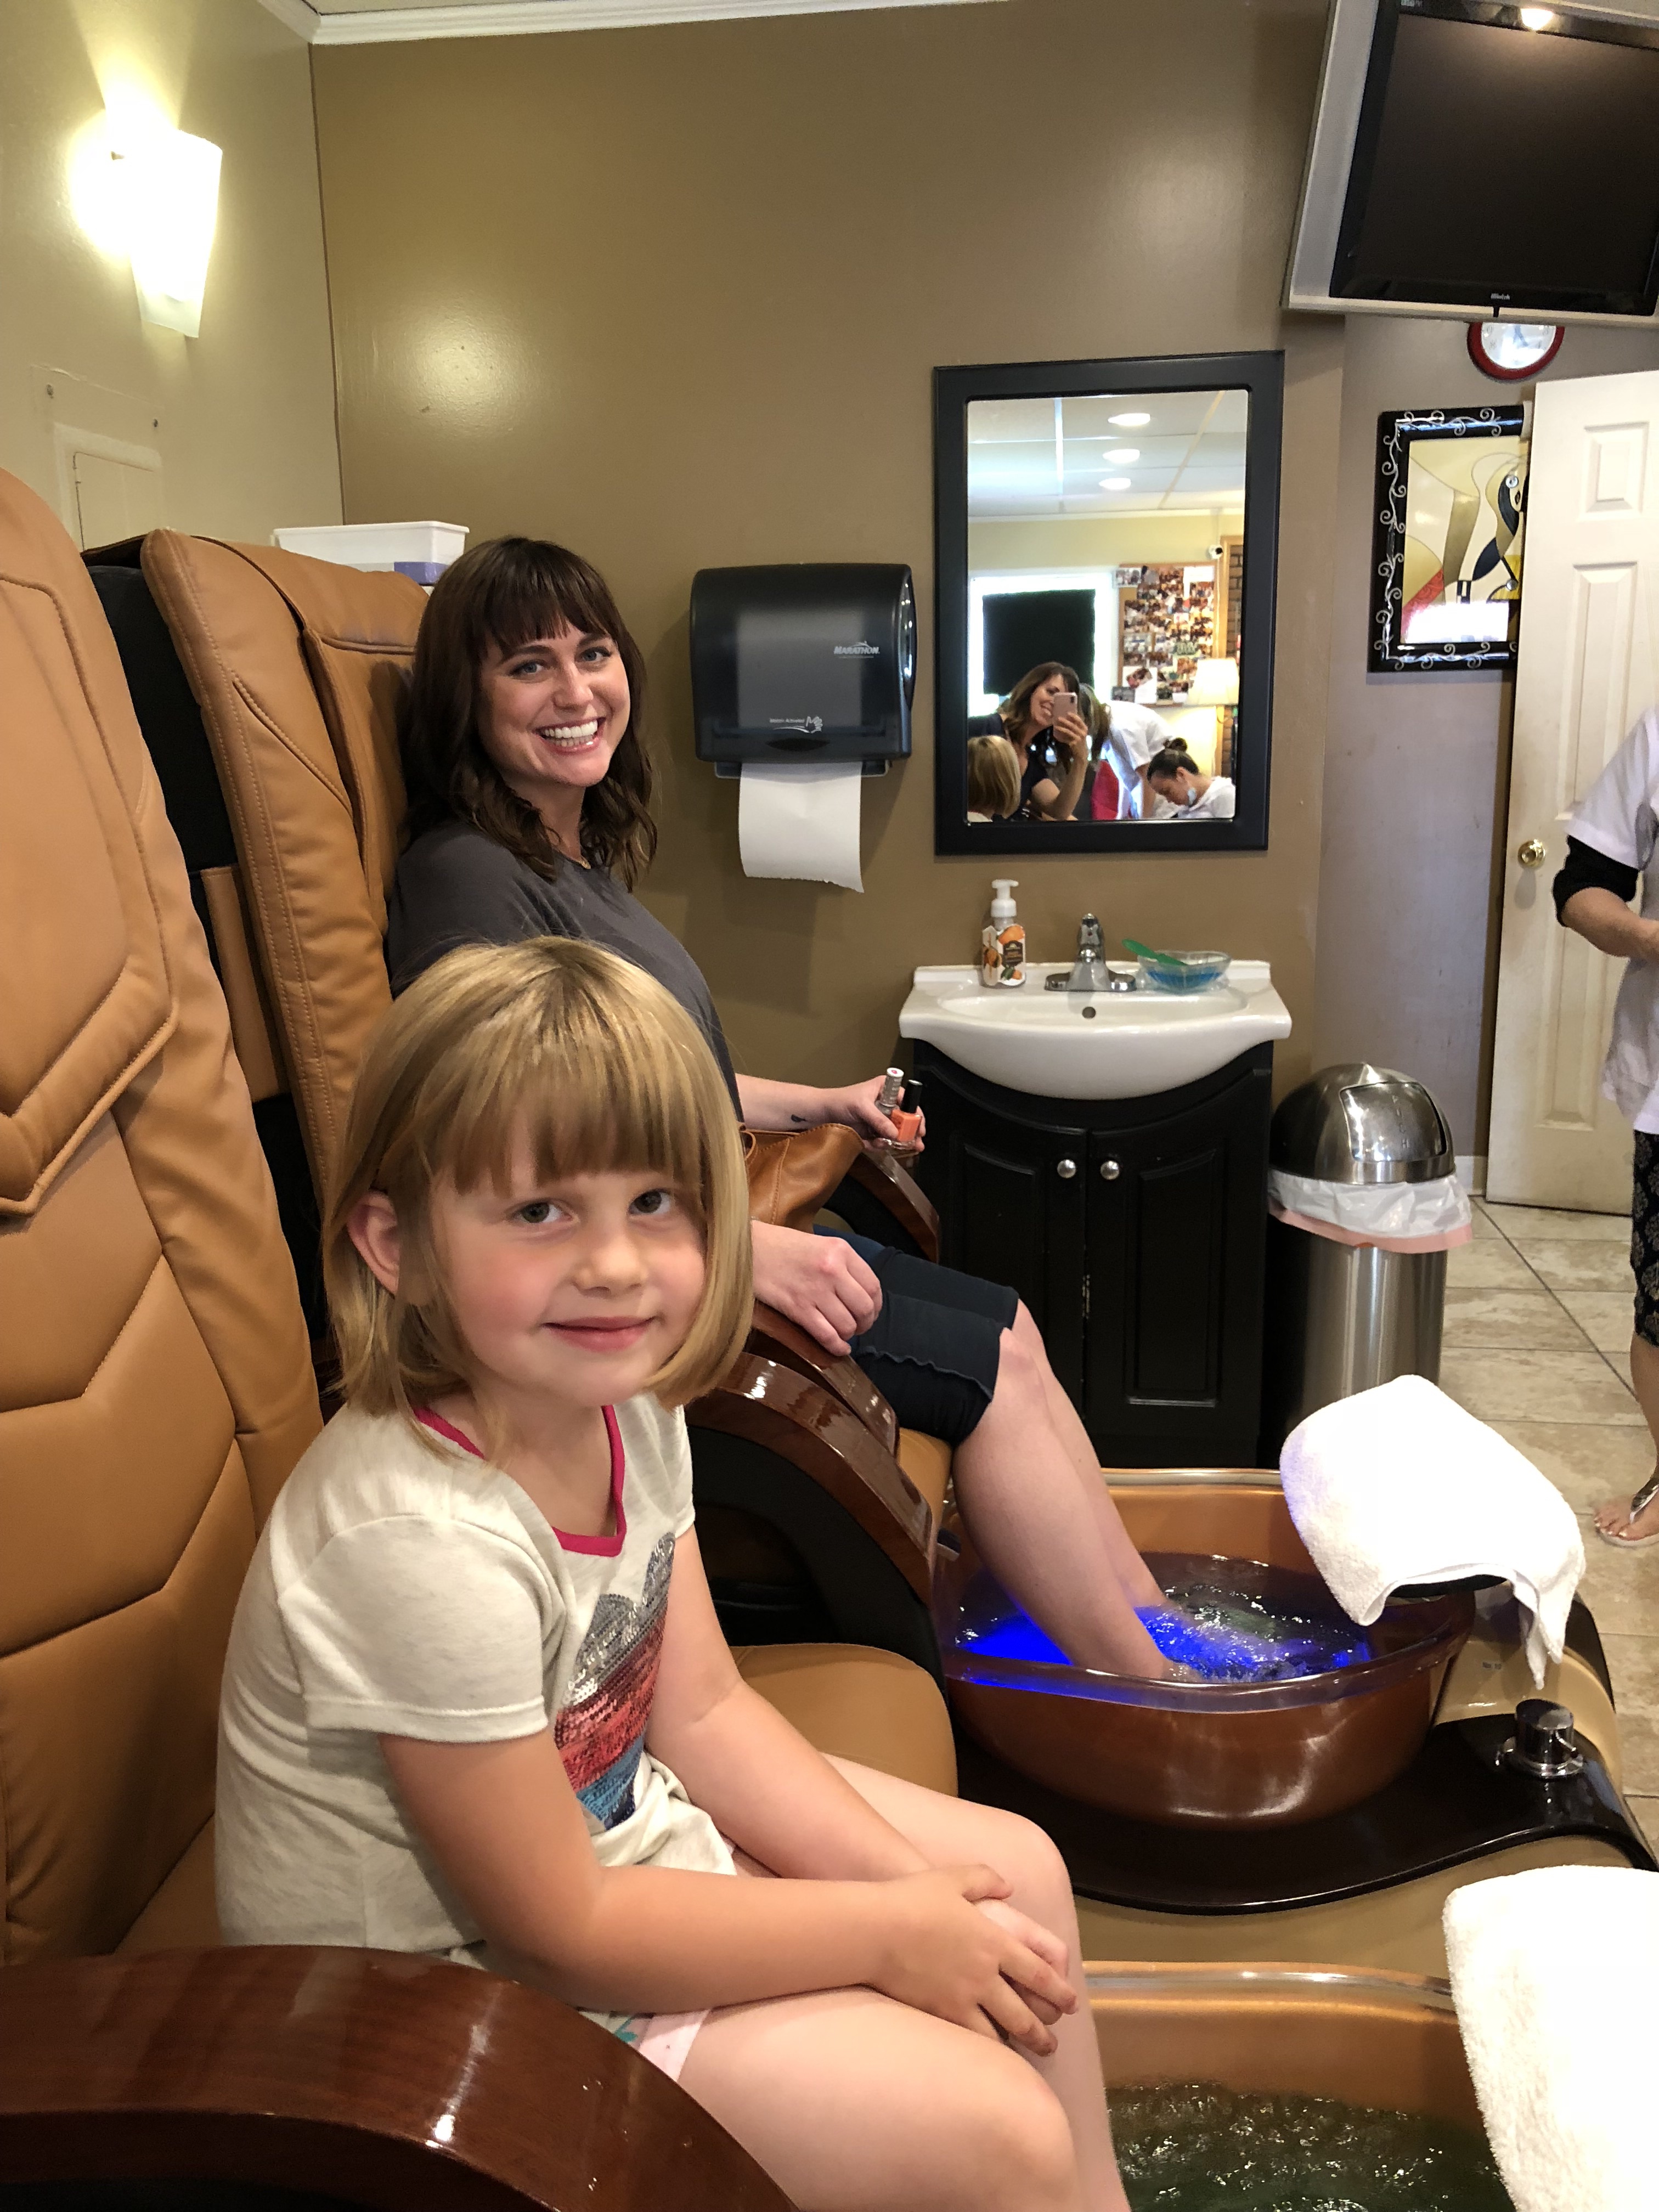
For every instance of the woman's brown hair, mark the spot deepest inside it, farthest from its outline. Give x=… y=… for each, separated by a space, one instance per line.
x=497 y=598
x=588 y=1063
x=1016 y=708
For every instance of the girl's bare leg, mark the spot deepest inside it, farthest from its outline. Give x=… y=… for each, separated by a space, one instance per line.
x=1047 y=1528
x=855 y=2104
x=852 y=2103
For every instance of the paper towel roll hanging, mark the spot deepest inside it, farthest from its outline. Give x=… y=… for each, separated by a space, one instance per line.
x=811 y=661
x=801 y=682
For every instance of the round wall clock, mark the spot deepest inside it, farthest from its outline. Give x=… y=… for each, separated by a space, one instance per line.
x=1510 y=351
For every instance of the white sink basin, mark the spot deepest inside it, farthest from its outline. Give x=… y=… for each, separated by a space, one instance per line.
x=1061 y=1044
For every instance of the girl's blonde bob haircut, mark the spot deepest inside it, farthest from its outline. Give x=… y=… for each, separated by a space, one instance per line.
x=581 y=1059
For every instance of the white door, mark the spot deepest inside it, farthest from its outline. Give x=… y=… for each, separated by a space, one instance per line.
x=1589 y=665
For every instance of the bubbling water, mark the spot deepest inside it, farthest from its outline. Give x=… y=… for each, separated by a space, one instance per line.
x=1238 y=1635
x=1194 y=2147
x=1215 y=1630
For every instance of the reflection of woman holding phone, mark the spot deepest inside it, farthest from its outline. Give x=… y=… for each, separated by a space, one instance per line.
x=1041 y=721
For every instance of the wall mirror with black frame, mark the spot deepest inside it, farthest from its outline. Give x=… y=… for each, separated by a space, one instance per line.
x=1106 y=534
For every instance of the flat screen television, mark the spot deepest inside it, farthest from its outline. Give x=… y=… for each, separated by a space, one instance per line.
x=1475 y=159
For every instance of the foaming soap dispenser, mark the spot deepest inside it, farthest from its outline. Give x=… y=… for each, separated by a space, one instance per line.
x=1002 y=941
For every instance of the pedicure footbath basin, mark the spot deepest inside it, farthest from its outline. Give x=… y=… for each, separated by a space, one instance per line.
x=1212 y=1753
x=1316 y=2041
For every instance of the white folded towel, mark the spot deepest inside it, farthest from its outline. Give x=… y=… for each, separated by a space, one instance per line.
x=1399 y=1485
x=1554 y=1973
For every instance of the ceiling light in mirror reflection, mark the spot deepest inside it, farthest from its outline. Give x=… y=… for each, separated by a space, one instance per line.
x=1038 y=460
x=1128 y=421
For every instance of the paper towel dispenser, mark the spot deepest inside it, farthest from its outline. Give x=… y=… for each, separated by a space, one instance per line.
x=811 y=661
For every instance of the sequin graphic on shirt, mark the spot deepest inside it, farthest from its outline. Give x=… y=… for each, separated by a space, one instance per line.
x=600 y=1729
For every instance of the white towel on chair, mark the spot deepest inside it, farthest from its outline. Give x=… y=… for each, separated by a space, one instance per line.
x=1399 y=1485
x=1554 y=1973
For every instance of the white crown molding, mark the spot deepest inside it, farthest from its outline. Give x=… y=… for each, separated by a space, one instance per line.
x=297 y=16
x=500 y=19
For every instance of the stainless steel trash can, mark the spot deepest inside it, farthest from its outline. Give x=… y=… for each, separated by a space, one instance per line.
x=1343 y=1317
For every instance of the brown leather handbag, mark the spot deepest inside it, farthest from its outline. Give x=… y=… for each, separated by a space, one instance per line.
x=792 y=1172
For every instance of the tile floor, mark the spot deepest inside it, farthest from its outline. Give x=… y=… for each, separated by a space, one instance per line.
x=1537 y=1342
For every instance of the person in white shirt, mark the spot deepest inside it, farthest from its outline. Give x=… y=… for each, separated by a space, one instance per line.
x=1610 y=843
x=1132 y=735
x=1174 y=776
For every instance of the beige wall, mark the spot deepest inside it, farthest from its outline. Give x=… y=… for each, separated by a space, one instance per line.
x=1416 y=765
x=243 y=417
x=675 y=295
x=1098 y=541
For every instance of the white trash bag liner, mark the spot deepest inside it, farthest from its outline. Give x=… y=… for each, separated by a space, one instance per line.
x=1401 y=1217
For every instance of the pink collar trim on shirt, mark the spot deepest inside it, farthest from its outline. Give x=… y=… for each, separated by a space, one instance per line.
x=605 y=1546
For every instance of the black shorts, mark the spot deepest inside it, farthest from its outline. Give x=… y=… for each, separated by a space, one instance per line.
x=935 y=1347
x=1645 y=1236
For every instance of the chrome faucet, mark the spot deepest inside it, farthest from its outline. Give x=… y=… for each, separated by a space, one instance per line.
x=1088 y=970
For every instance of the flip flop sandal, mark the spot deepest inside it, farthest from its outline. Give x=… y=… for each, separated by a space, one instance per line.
x=1643 y=1497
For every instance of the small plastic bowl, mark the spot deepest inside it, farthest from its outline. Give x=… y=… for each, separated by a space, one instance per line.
x=1185 y=971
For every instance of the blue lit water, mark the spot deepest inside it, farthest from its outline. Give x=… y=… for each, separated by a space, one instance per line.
x=1193 y=2147
x=1222 y=1633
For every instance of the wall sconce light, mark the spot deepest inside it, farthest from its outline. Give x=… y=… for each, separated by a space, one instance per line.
x=170 y=183
x=148 y=193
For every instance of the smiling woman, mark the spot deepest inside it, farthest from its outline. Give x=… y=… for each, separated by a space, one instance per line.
x=571 y=662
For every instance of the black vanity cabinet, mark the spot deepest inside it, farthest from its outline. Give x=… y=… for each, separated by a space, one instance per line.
x=1133 y=1229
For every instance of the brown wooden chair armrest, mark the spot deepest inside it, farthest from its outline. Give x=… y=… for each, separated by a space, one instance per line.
x=774 y=1336
x=903 y=1197
x=777 y=1407
x=385 y=2080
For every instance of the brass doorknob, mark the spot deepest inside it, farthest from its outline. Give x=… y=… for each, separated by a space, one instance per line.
x=1532 y=853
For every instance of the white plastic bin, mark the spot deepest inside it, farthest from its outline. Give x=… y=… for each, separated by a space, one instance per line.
x=421 y=549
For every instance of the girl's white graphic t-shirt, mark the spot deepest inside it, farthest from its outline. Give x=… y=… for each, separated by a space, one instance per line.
x=407 y=1588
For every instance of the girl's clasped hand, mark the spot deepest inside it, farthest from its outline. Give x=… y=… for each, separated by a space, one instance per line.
x=478 y=1703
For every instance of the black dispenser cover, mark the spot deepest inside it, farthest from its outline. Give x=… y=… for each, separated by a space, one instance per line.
x=813 y=661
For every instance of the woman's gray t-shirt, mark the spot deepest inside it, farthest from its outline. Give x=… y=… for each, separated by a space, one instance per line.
x=456 y=886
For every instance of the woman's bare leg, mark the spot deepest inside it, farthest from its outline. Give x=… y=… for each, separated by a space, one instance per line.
x=1615 y=1519
x=1047 y=1536
x=1132 y=1571
x=854 y=2104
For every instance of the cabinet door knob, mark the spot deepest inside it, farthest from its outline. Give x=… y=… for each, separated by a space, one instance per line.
x=1066 y=1170
x=1532 y=853
x=1110 y=1171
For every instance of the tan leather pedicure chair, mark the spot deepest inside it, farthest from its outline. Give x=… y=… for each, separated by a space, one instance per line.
x=155 y=1390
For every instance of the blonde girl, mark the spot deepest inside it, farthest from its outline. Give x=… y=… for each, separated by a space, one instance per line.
x=477 y=1704
x=992 y=779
